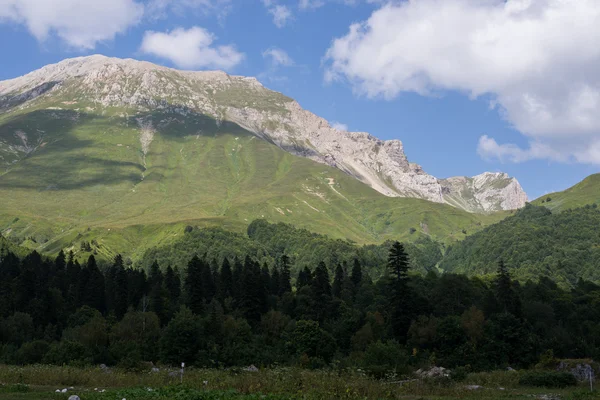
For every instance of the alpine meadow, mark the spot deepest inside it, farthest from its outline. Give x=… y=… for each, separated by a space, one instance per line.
x=172 y=228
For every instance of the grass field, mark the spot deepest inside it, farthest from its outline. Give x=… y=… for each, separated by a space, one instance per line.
x=585 y=192
x=41 y=382
x=89 y=177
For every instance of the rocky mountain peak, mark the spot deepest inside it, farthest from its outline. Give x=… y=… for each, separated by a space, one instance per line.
x=103 y=85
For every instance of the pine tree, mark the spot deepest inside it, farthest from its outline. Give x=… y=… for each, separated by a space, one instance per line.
x=226 y=280
x=506 y=297
x=121 y=295
x=320 y=283
x=356 y=275
x=172 y=284
x=321 y=292
x=254 y=293
x=304 y=278
x=275 y=281
x=94 y=290
x=400 y=296
x=208 y=284
x=285 y=278
x=398 y=263
x=193 y=285
x=338 y=282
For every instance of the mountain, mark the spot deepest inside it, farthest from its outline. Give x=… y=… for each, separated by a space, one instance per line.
x=125 y=154
x=99 y=83
x=581 y=194
x=535 y=242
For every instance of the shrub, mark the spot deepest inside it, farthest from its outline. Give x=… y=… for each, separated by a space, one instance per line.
x=548 y=379
x=383 y=358
x=459 y=374
x=32 y=352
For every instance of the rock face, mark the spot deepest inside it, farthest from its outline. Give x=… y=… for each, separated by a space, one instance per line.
x=102 y=85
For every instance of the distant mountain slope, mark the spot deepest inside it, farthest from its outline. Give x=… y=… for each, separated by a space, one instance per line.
x=585 y=192
x=534 y=242
x=134 y=90
x=92 y=178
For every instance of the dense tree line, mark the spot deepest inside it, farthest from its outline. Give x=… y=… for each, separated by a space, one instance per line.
x=534 y=242
x=238 y=312
x=267 y=242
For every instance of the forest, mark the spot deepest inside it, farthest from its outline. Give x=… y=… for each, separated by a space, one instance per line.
x=242 y=311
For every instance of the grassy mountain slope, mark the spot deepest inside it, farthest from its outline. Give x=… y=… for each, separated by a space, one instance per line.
x=585 y=192
x=85 y=176
x=533 y=243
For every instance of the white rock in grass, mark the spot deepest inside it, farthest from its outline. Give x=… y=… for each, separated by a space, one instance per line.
x=74 y=397
x=64 y=390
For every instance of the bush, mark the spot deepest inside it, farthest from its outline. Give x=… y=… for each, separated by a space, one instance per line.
x=381 y=359
x=32 y=352
x=459 y=374
x=548 y=379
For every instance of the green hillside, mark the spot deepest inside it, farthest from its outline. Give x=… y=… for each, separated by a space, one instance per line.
x=536 y=242
x=88 y=177
x=585 y=192
x=267 y=243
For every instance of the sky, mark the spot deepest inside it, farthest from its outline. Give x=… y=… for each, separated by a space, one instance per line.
x=467 y=85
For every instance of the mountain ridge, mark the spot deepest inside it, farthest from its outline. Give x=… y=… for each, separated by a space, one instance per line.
x=98 y=82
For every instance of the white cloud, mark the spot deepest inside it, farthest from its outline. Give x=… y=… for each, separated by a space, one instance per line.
x=161 y=8
x=310 y=4
x=278 y=57
x=81 y=24
x=281 y=15
x=191 y=48
x=338 y=125
x=539 y=62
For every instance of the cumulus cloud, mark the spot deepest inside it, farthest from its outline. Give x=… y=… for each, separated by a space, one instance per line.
x=338 y=125
x=161 y=8
x=81 y=24
x=190 y=48
x=539 y=62
x=281 y=15
x=278 y=57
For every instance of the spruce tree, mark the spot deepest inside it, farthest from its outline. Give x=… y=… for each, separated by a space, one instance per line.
x=226 y=280
x=356 y=275
x=94 y=290
x=275 y=281
x=285 y=278
x=401 y=310
x=338 y=281
x=304 y=278
x=506 y=296
x=121 y=295
x=321 y=292
x=254 y=293
x=193 y=285
x=172 y=284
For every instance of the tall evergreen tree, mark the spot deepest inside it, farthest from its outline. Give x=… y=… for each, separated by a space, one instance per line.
x=285 y=277
x=254 y=292
x=356 y=275
x=398 y=265
x=193 y=285
x=304 y=278
x=94 y=290
x=226 y=280
x=338 y=281
x=172 y=284
x=275 y=281
x=506 y=297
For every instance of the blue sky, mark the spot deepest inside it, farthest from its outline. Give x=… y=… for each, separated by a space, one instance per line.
x=468 y=85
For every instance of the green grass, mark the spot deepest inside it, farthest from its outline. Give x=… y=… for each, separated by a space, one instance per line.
x=585 y=192
x=84 y=182
x=40 y=382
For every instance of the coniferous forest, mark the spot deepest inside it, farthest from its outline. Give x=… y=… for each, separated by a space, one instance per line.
x=238 y=311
